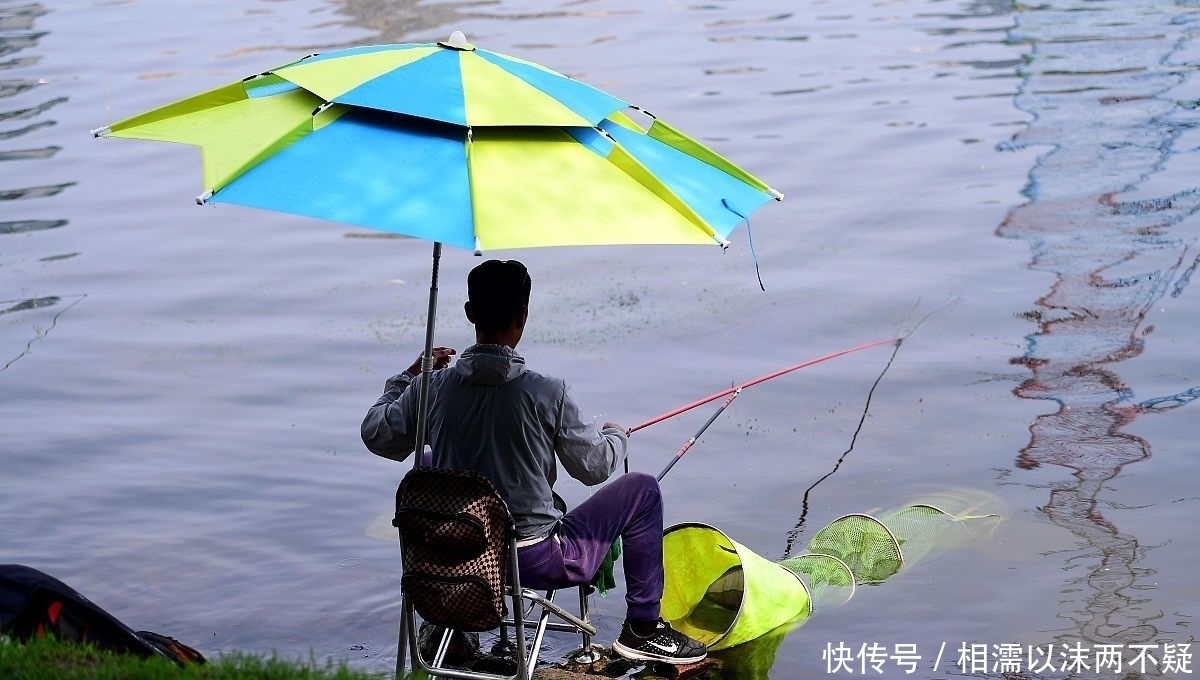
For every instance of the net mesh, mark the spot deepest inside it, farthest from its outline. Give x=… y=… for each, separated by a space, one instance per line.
x=828 y=579
x=864 y=543
x=918 y=529
x=723 y=594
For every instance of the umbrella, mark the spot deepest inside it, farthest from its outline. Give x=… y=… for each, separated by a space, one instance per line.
x=456 y=145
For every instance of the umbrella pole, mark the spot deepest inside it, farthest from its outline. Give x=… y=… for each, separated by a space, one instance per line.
x=427 y=357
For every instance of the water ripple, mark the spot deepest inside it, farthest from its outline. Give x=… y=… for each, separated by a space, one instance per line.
x=16 y=35
x=25 y=226
x=33 y=192
x=1098 y=84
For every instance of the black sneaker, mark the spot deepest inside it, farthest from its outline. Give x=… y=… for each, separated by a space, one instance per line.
x=663 y=644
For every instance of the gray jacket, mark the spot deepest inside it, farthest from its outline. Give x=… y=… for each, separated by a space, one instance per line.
x=489 y=414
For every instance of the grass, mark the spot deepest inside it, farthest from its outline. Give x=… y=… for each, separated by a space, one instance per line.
x=48 y=659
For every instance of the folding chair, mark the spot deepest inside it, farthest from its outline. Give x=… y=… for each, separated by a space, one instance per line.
x=459 y=548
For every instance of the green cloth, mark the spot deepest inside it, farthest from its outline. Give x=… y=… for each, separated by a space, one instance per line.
x=605 y=579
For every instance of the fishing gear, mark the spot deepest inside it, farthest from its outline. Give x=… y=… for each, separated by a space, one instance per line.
x=733 y=393
x=723 y=594
x=760 y=379
x=696 y=436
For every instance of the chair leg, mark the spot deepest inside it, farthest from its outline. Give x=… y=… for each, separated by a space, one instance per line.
x=588 y=654
x=525 y=664
x=402 y=642
x=539 y=632
x=503 y=645
x=443 y=648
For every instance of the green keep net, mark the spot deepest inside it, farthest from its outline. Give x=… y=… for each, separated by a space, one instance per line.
x=723 y=594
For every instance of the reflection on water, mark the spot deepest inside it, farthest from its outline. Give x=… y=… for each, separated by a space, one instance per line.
x=193 y=321
x=396 y=20
x=16 y=35
x=1099 y=88
x=39 y=331
x=22 y=115
x=401 y=20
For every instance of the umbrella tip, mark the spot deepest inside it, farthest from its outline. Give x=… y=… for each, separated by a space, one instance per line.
x=457 y=41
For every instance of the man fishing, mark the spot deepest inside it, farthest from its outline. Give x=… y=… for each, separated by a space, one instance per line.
x=490 y=414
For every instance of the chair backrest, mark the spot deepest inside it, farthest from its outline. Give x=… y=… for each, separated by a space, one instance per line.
x=455 y=534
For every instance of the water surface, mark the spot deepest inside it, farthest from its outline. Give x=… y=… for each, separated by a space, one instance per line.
x=180 y=387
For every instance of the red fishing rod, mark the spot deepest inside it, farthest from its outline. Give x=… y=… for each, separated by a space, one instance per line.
x=737 y=390
x=733 y=393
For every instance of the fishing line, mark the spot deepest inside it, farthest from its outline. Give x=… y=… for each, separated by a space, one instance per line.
x=794 y=534
x=39 y=333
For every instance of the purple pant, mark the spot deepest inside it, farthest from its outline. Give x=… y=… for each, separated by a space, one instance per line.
x=630 y=507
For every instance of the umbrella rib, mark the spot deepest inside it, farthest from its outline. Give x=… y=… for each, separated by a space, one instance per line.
x=682 y=206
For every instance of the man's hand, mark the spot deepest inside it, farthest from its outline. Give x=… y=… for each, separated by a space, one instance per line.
x=441 y=359
x=614 y=426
